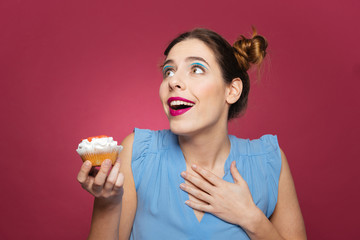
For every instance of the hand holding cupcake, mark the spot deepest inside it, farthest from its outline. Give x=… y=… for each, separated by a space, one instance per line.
x=107 y=182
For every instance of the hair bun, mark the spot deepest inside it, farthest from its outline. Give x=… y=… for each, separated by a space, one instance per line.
x=250 y=51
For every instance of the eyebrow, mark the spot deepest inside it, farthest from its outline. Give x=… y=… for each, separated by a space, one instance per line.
x=165 y=67
x=188 y=59
x=196 y=63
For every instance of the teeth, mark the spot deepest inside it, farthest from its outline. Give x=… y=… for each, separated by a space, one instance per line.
x=177 y=103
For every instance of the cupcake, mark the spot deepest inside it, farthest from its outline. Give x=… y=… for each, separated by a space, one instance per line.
x=97 y=149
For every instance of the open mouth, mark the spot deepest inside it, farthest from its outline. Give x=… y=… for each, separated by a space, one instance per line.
x=178 y=105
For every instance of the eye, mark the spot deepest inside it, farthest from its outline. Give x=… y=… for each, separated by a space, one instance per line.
x=169 y=72
x=197 y=69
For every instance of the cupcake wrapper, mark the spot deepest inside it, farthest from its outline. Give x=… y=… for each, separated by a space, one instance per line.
x=96 y=158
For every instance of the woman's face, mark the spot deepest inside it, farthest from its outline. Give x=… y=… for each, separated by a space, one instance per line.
x=193 y=92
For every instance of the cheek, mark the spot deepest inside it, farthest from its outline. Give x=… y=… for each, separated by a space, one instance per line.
x=162 y=91
x=211 y=92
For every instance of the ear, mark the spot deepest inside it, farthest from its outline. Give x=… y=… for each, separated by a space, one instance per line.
x=234 y=90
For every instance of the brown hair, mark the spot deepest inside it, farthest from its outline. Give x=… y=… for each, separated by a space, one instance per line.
x=234 y=60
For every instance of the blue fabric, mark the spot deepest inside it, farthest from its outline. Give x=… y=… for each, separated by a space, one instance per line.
x=157 y=162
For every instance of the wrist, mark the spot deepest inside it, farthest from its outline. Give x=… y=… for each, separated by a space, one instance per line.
x=107 y=204
x=253 y=220
x=105 y=219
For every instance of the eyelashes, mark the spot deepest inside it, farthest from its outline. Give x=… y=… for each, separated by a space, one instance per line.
x=195 y=68
x=167 y=71
x=202 y=66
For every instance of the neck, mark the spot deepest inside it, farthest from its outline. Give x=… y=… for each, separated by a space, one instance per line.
x=208 y=149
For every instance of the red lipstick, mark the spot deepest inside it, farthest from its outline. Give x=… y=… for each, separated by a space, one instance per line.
x=177 y=112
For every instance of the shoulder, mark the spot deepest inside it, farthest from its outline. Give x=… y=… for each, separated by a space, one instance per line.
x=126 y=154
x=128 y=140
x=147 y=141
x=264 y=145
x=285 y=173
x=269 y=143
x=283 y=159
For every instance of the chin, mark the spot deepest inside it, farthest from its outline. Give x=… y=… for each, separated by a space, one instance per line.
x=182 y=129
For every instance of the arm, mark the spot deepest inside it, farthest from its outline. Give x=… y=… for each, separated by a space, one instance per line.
x=117 y=220
x=129 y=201
x=287 y=217
x=115 y=198
x=286 y=221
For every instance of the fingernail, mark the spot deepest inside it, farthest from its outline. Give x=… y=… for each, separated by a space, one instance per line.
x=88 y=163
x=187 y=201
x=194 y=166
x=183 y=174
x=107 y=162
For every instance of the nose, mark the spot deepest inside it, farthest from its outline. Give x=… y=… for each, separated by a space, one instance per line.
x=176 y=83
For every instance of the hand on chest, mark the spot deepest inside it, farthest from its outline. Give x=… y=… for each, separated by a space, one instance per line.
x=199 y=214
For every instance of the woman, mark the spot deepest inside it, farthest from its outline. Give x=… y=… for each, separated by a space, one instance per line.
x=195 y=181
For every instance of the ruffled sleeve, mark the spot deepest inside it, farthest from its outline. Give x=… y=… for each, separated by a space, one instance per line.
x=273 y=165
x=141 y=149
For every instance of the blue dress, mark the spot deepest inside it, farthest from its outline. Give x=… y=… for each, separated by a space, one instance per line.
x=157 y=161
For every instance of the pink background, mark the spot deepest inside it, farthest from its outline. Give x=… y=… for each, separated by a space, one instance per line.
x=73 y=69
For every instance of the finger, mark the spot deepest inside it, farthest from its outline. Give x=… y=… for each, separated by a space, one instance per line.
x=111 y=179
x=118 y=187
x=235 y=173
x=198 y=182
x=84 y=172
x=199 y=206
x=88 y=184
x=209 y=176
x=203 y=196
x=101 y=176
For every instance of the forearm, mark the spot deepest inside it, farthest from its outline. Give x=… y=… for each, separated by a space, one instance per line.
x=105 y=220
x=260 y=228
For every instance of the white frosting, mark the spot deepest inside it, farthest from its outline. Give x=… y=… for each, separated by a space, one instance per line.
x=98 y=145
